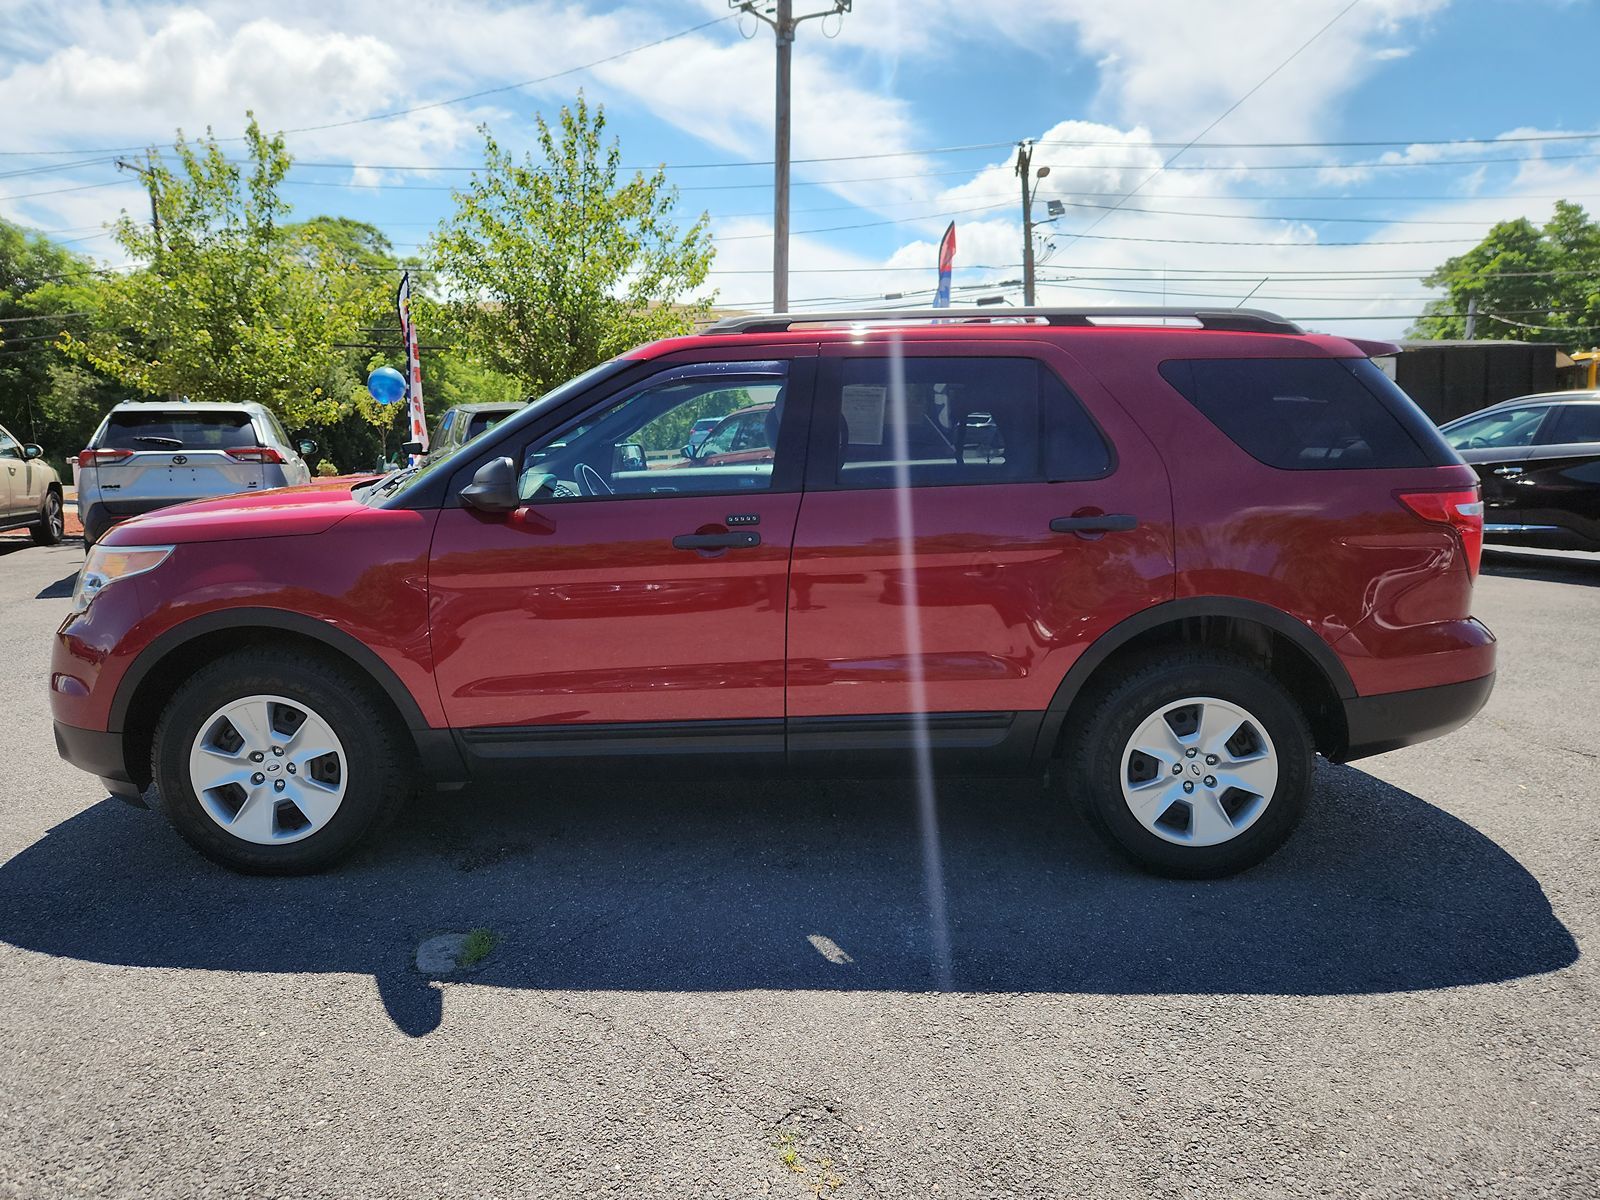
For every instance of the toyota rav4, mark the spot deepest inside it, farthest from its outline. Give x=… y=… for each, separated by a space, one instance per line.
x=1175 y=554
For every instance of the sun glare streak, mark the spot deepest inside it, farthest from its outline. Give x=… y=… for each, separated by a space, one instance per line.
x=927 y=807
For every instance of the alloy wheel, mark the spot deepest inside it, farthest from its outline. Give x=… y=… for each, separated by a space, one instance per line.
x=1199 y=771
x=268 y=770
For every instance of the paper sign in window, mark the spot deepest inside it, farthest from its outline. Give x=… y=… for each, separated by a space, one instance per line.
x=862 y=405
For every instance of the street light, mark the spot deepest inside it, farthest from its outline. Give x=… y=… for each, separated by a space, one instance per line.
x=1029 y=190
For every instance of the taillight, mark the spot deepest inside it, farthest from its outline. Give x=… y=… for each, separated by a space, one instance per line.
x=1461 y=509
x=255 y=454
x=99 y=458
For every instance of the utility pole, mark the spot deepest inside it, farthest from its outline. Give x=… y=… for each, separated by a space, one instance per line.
x=780 y=15
x=1030 y=185
x=1472 y=317
x=150 y=186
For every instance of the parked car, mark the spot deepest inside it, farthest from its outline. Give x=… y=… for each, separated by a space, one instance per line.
x=1538 y=460
x=744 y=436
x=698 y=432
x=148 y=455
x=30 y=491
x=459 y=425
x=1185 y=560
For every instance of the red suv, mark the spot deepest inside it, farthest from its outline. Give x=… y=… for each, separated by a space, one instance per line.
x=1176 y=553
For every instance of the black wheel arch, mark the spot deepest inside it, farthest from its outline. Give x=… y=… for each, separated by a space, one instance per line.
x=1313 y=669
x=152 y=677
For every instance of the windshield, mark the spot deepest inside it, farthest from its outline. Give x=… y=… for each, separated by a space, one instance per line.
x=394 y=486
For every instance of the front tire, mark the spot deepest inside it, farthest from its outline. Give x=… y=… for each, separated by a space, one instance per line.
x=52 y=522
x=277 y=764
x=1193 y=764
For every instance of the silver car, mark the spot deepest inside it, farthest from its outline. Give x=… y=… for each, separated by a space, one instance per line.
x=148 y=455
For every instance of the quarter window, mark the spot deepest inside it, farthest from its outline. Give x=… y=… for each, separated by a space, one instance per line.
x=947 y=421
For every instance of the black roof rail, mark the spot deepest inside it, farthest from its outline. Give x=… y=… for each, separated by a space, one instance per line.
x=1239 y=320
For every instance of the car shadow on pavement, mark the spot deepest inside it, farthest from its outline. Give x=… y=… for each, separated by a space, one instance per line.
x=619 y=883
x=1552 y=567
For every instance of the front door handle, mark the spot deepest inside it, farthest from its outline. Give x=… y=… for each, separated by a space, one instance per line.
x=1508 y=470
x=736 y=539
x=1101 y=523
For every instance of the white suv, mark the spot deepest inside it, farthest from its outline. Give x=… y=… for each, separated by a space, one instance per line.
x=148 y=455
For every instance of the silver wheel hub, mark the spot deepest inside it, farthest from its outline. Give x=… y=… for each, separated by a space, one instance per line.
x=1199 y=771
x=268 y=769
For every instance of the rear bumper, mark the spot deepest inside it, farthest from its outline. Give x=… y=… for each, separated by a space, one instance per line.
x=1376 y=724
x=99 y=753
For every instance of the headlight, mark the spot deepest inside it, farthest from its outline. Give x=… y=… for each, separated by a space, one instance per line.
x=107 y=564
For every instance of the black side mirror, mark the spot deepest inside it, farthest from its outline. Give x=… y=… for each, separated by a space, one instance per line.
x=412 y=448
x=493 y=488
x=32 y=451
x=306 y=446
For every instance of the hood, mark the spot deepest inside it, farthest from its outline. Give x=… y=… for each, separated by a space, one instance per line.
x=279 y=512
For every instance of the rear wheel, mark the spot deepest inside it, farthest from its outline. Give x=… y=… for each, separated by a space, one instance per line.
x=52 y=522
x=278 y=766
x=1193 y=764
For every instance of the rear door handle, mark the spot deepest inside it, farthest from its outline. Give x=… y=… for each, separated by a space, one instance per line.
x=736 y=539
x=1508 y=470
x=1104 y=523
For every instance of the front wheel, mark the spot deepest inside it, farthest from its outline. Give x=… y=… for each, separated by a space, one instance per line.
x=273 y=763
x=1194 y=764
x=52 y=524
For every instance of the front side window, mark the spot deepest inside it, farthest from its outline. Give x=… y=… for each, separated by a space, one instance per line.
x=1508 y=428
x=948 y=421
x=9 y=447
x=635 y=446
x=1573 y=423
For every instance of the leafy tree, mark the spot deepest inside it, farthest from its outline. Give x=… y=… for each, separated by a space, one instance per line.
x=43 y=397
x=1531 y=283
x=229 y=305
x=548 y=268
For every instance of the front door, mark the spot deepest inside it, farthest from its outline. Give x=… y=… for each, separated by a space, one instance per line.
x=1496 y=446
x=13 y=482
x=635 y=587
x=970 y=524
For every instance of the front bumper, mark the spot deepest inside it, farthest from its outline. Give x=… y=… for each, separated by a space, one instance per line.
x=99 y=753
x=1388 y=721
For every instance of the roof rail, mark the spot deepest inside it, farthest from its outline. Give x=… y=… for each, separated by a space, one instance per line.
x=1239 y=320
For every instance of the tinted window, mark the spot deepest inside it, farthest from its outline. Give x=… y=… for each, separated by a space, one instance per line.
x=1306 y=414
x=958 y=421
x=157 y=430
x=1573 y=423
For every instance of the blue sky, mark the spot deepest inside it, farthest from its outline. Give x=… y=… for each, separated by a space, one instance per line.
x=1332 y=234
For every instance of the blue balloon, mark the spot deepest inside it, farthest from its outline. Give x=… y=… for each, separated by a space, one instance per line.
x=386 y=385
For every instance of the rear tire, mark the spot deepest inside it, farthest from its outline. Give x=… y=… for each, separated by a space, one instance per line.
x=52 y=522
x=278 y=764
x=1205 y=721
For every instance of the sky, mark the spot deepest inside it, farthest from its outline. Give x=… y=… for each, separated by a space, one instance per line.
x=1339 y=173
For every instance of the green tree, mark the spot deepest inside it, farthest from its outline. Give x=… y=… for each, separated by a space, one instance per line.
x=1530 y=283
x=548 y=268
x=229 y=305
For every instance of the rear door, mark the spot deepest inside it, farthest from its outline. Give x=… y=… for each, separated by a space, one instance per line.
x=176 y=455
x=972 y=521
x=12 y=481
x=1559 y=487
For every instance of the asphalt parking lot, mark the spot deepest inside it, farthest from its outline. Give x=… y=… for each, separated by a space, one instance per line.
x=725 y=989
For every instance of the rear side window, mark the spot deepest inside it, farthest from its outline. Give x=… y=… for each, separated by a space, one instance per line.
x=1573 y=423
x=961 y=420
x=1305 y=414
x=157 y=430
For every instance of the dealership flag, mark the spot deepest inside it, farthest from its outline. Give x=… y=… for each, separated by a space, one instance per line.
x=947 y=258
x=408 y=330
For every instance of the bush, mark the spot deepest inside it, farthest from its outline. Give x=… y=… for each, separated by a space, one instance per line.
x=326 y=468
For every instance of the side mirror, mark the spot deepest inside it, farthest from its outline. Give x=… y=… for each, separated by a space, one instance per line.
x=689 y=450
x=493 y=488
x=306 y=446
x=412 y=448
x=32 y=451
x=629 y=457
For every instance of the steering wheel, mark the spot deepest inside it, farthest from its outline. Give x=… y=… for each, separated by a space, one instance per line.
x=591 y=482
